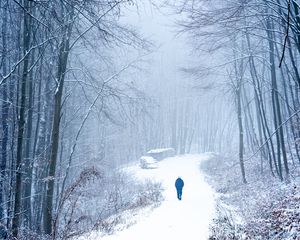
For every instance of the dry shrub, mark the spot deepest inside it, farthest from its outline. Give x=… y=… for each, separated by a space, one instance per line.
x=67 y=222
x=148 y=193
x=125 y=203
x=100 y=201
x=224 y=226
x=269 y=207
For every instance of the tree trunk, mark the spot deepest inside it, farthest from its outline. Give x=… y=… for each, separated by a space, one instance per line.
x=61 y=73
x=4 y=123
x=241 y=132
x=276 y=104
x=28 y=153
x=21 y=121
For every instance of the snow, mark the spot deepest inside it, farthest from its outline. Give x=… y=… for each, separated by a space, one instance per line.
x=148 y=162
x=173 y=219
x=160 y=150
x=148 y=159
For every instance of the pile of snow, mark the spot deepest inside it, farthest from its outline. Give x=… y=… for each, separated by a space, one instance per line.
x=147 y=162
x=161 y=153
x=160 y=150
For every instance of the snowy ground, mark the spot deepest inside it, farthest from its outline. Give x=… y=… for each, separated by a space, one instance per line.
x=173 y=219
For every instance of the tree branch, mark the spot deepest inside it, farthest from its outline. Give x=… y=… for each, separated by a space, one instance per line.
x=287 y=33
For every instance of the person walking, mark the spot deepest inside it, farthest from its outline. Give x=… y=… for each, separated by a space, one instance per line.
x=179 y=185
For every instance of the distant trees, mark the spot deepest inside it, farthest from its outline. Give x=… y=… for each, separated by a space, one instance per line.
x=46 y=85
x=267 y=95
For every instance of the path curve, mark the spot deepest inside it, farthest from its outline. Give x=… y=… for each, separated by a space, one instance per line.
x=188 y=219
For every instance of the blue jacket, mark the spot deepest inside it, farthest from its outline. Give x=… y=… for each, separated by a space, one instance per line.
x=179 y=183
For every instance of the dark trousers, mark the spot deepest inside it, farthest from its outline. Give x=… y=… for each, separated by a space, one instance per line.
x=179 y=194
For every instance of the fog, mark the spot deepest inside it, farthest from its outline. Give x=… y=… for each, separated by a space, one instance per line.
x=99 y=99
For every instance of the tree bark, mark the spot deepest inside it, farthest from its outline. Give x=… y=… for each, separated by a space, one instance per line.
x=276 y=104
x=241 y=131
x=21 y=121
x=61 y=73
x=28 y=161
x=4 y=123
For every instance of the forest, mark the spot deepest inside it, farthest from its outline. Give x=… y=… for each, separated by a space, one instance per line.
x=89 y=86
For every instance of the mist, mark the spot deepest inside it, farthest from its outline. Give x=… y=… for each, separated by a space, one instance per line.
x=149 y=119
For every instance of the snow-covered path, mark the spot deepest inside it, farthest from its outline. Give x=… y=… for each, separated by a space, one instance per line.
x=187 y=219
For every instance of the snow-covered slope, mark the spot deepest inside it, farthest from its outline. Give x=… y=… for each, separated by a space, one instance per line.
x=187 y=219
